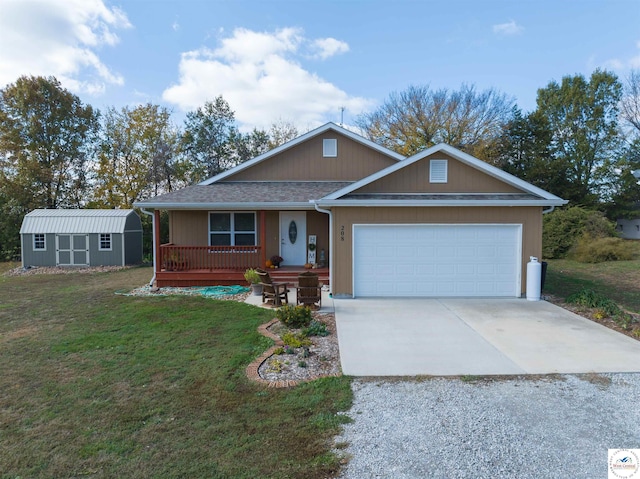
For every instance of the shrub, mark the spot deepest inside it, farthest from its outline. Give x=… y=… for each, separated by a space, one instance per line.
x=294 y=316
x=295 y=340
x=563 y=228
x=598 y=250
x=590 y=299
x=316 y=328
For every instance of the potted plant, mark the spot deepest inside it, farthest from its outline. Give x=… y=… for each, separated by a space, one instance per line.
x=276 y=260
x=253 y=278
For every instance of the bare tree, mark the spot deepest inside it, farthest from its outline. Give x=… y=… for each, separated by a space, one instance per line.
x=630 y=105
x=281 y=131
x=417 y=118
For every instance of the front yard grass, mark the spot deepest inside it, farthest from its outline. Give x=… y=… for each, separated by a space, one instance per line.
x=618 y=280
x=105 y=386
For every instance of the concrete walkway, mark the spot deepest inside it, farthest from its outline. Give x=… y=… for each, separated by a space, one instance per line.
x=415 y=336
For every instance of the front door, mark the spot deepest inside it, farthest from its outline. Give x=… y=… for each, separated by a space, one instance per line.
x=293 y=234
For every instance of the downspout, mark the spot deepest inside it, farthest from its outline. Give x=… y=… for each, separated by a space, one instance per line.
x=549 y=210
x=153 y=242
x=328 y=212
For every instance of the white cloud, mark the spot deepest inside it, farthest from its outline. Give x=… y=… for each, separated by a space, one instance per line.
x=509 y=28
x=59 y=38
x=260 y=75
x=328 y=47
x=619 y=64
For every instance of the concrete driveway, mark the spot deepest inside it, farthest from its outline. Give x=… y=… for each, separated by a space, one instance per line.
x=461 y=336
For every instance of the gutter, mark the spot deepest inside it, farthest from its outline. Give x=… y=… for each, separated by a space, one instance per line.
x=153 y=242
x=435 y=203
x=240 y=206
x=328 y=212
x=548 y=210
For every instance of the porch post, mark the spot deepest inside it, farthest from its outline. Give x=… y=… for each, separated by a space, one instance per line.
x=156 y=239
x=263 y=238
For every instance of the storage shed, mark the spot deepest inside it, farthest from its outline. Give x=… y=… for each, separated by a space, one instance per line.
x=81 y=238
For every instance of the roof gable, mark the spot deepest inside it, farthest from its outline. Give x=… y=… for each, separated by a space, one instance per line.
x=487 y=177
x=292 y=153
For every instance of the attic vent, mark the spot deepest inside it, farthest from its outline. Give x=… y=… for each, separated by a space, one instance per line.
x=438 y=171
x=329 y=148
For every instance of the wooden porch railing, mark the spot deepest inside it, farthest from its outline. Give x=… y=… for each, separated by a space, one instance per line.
x=186 y=258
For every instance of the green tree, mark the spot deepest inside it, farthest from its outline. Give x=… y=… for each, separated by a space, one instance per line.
x=524 y=150
x=249 y=145
x=417 y=118
x=138 y=156
x=582 y=117
x=208 y=138
x=624 y=198
x=46 y=140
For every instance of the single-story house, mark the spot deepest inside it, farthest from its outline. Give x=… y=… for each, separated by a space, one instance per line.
x=439 y=223
x=628 y=228
x=63 y=237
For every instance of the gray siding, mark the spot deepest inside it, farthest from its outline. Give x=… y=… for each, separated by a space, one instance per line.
x=133 y=223
x=105 y=258
x=38 y=258
x=629 y=229
x=133 y=247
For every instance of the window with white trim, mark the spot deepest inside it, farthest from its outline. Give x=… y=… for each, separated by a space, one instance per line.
x=104 y=242
x=437 y=171
x=232 y=229
x=330 y=148
x=39 y=243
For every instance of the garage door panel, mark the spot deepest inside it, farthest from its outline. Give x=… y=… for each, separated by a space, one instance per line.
x=436 y=260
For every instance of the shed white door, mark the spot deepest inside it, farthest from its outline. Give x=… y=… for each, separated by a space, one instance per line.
x=436 y=260
x=72 y=250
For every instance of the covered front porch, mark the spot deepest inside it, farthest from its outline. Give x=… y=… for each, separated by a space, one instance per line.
x=192 y=257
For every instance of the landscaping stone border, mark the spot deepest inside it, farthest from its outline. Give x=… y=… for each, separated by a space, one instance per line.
x=252 y=369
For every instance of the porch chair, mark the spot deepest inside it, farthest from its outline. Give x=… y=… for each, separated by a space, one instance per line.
x=309 y=291
x=276 y=292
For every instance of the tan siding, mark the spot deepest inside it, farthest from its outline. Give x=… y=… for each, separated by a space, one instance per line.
x=415 y=179
x=272 y=222
x=318 y=224
x=345 y=218
x=304 y=162
x=189 y=228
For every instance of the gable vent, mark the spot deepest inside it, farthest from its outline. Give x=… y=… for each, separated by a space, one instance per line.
x=438 y=171
x=330 y=147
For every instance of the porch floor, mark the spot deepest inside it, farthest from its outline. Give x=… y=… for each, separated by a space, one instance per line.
x=226 y=277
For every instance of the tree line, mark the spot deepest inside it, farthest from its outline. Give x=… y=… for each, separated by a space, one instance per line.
x=57 y=152
x=582 y=143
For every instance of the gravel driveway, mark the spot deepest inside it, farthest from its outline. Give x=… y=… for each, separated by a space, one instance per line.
x=524 y=427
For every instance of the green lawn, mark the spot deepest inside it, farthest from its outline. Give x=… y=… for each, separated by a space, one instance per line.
x=99 y=385
x=618 y=280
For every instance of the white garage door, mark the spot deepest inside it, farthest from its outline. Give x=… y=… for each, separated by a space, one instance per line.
x=436 y=260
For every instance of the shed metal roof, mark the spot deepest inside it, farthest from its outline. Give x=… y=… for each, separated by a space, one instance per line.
x=75 y=221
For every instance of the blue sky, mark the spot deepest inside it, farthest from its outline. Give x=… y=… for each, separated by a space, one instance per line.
x=300 y=61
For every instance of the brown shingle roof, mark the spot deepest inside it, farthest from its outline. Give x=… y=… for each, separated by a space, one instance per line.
x=246 y=192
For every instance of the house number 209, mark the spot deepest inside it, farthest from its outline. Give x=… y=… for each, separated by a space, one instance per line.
x=342 y=233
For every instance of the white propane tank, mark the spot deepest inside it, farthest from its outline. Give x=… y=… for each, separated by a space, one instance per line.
x=534 y=279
